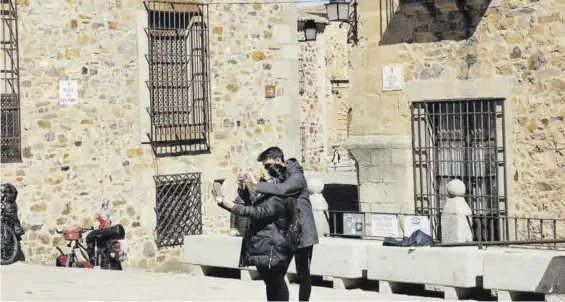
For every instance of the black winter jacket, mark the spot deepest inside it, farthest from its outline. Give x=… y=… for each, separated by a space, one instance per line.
x=264 y=244
x=295 y=185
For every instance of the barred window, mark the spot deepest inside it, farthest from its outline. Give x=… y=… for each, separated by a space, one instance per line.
x=178 y=208
x=461 y=139
x=179 y=82
x=10 y=83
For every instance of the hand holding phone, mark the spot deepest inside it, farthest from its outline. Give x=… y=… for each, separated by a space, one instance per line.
x=241 y=180
x=218 y=192
x=251 y=178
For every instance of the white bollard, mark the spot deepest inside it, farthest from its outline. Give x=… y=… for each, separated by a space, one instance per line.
x=455 y=223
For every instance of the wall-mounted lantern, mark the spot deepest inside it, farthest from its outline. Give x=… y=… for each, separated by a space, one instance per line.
x=344 y=12
x=309 y=29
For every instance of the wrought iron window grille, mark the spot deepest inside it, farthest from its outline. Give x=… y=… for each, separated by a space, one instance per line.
x=10 y=83
x=178 y=208
x=463 y=139
x=179 y=78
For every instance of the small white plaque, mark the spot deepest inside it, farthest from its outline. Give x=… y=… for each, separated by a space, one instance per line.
x=384 y=225
x=68 y=92
x=353 y=224
x=392 y=77
x=414 y=223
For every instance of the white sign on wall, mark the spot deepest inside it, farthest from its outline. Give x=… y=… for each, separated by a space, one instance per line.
x=68 y=92
x=414 y=223
x=384 y=225
x=392 y=77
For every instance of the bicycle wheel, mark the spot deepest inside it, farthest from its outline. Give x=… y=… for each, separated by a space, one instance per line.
x=10 y=244
x=103 y=260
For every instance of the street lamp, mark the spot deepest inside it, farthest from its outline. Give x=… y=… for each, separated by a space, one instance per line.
x=340 y=11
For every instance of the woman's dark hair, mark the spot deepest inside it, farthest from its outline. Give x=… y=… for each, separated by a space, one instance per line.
x=277 y=171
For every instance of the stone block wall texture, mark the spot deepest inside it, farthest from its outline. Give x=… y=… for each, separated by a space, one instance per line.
x=74 y=156
x=311 y=116
x=337 y=68
x=518 y=45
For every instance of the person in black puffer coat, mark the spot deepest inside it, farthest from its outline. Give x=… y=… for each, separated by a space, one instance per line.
x=265 y=244
x=9 y=196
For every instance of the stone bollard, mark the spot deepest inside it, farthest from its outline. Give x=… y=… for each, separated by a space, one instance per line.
x=319 y=205
x=455 y=224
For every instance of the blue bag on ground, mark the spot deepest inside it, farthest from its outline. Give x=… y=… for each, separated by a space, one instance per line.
x=418 y=238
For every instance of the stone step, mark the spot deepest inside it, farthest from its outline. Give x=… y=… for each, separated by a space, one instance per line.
x=344 y=163
x=341 y=167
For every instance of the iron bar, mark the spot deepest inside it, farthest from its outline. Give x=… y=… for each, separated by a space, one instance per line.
x=504 y=243
x=553 y=236
x=10 y=84
x=179 y=77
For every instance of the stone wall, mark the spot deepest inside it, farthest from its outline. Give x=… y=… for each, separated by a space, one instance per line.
x=337 y=68
x=75 y=156
x=331 y=53
x=311 y=116
x=513 y=49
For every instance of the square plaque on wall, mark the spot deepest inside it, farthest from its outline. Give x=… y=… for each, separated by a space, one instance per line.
x=393 y=77
x=270 y=91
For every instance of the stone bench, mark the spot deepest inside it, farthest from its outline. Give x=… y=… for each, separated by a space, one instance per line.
x=344 y=260
x=513 y=272
x=210 y=251
x=456 y=269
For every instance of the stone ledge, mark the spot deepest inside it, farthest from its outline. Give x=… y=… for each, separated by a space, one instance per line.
x=378 y=142
x=424 y=265
x=497 y=87
x=210 y=251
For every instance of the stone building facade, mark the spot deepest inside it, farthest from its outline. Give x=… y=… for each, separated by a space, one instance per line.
x=326 y=107
x=501 y=59
x=313 y=97
x=75 y=156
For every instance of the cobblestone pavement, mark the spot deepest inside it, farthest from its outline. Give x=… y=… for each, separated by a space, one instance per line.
x=35 y=283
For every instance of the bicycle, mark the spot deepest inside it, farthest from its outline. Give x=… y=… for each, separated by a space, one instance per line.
x=74 y=235
x=102 y=248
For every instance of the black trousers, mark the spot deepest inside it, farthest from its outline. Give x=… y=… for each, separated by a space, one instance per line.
x=303 y=257
x=276 y=287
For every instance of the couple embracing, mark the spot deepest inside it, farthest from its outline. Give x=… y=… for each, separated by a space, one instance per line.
x=280 y=224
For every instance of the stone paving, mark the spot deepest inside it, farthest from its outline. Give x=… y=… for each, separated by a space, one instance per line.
x=45 y=283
